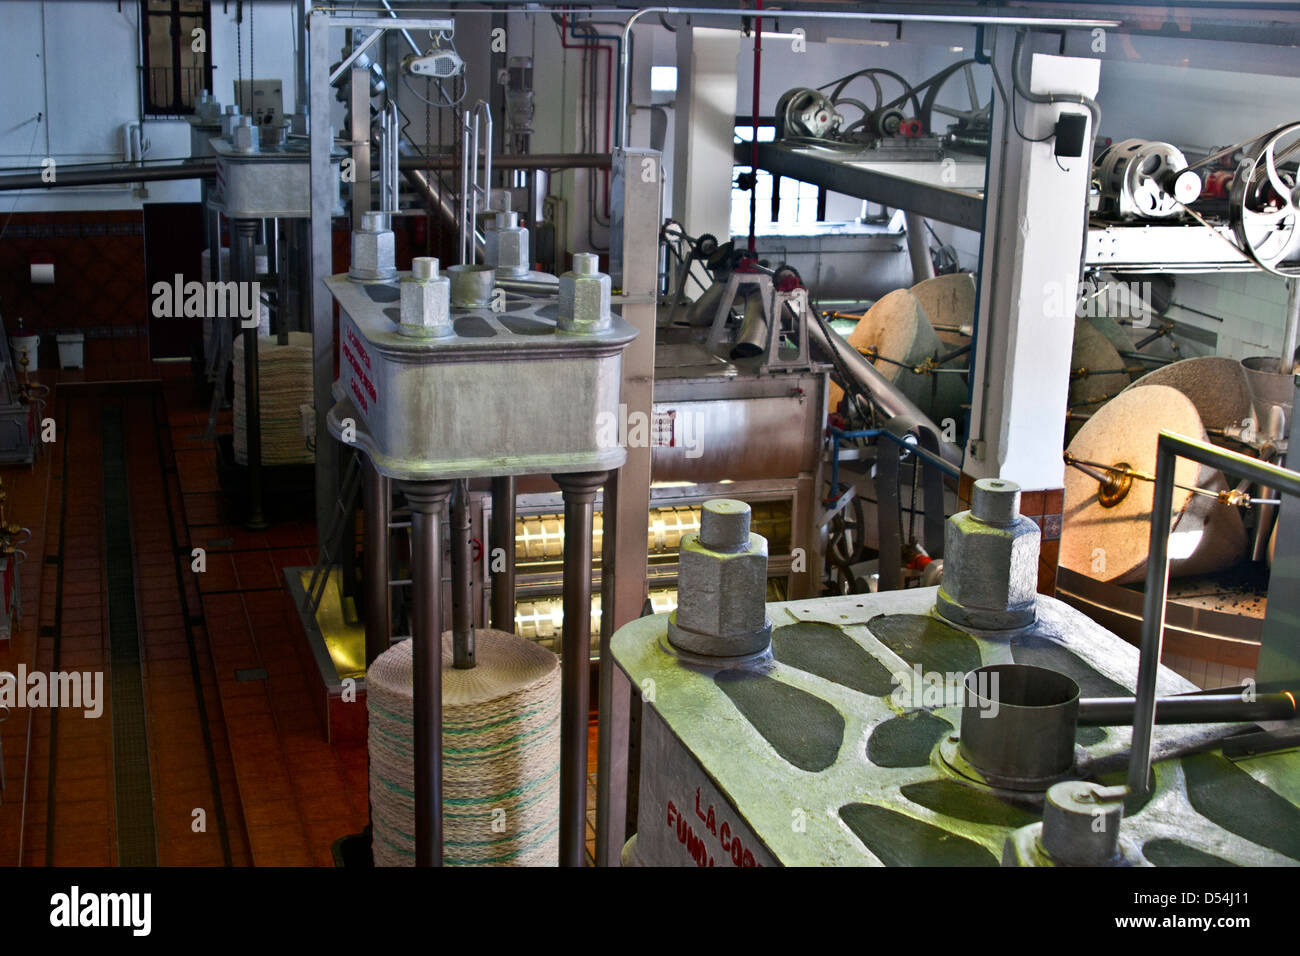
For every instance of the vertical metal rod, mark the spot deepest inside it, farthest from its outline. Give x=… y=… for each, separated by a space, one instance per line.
x=375 y=571
x=360 y=135
x=462 y=580
x=503 y=537
x=579 y=491
x=245 y=262
x=428 y=501
x=321 y=302
x=466 y=184
x=1153 y=620
x=394 y=176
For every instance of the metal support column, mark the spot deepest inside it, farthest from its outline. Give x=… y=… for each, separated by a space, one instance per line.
x=428 y=501
x=503 y=537
x=579 y=491
x=322 y=262
x=634 y=257
x=376 y=572
x=244 y=261
x=462 y=579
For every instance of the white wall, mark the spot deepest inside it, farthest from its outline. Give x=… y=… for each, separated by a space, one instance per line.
x=76 y=61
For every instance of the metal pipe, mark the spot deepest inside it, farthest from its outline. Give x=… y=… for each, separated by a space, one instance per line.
x=462 y=580
x=245 y=263
x=503 y=564
x=428 y=500
x=864 y=375
x=621 y=129
x=513 y=161
x=579 y=491
x=1169 y=448
x=528 y=286
x=95 y=174
x=1292 y=329
x=1188 y=709
x=375 y=571
x=918 y=252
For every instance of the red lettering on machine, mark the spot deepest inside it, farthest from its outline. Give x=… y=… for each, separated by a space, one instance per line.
x=731 y=844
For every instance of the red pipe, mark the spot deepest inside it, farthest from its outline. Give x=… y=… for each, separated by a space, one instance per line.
x=609 y=87
x=753 y=148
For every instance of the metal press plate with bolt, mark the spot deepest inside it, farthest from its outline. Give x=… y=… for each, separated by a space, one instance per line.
x=826 y=750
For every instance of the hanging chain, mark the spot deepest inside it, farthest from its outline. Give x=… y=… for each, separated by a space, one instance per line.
x=239 y=55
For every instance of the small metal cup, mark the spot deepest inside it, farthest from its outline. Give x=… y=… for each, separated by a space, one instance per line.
x=1018 y=724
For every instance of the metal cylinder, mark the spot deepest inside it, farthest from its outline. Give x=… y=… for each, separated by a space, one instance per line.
x=471 y=286
x=462 y=580
x=1189 y=709
x=245 y=268
x=375 y=572
x=579 y=491
x=1081 y=823
x=751 y=341
x=428 y=500
x=502 y=564
x=1018 y=723
x=995 y=501
x=724 y=525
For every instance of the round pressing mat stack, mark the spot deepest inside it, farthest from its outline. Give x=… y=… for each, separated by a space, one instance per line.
x=501 y=754
x=1112 y=543
x=283 y=383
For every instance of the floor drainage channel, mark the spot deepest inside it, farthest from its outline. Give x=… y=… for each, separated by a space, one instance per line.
x=133 y=786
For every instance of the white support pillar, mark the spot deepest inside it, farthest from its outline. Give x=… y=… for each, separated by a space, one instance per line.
x=706 y=123
x=1029 y=273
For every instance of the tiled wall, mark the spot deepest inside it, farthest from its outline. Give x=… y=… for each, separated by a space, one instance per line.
x=1249 y=312
x=99 y=280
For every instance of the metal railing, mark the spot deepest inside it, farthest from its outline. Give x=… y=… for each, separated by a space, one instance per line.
x=1169 y=448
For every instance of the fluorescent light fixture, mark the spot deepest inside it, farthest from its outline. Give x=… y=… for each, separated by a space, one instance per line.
x=956 y=49
x=663 y=79
x=859 y=41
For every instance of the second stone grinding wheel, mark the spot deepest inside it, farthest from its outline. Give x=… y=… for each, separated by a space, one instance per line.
x=897 y=328
x=1216 y=386
x=1092 y=354
x=949 y=302
x=1109 y=540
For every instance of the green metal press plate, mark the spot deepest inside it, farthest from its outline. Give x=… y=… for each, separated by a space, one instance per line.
x=819 y=754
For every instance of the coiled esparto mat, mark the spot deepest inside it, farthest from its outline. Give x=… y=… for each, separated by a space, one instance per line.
x=501 y=754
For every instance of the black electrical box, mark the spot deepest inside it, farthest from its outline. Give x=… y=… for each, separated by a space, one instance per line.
x=1069 y=134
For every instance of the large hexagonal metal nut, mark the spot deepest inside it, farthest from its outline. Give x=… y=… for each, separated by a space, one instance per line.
x=990 y=573
x=374 y=253
x=426 y=301
x=721 y=599
x=584 y=296
x=507 y=249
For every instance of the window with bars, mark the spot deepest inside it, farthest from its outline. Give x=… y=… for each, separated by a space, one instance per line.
x=176 y=65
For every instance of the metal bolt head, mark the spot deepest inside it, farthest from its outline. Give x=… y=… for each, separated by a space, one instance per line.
x=426 y=301
x=506 y=246
x=990 y=572
x=584 y=296
x=246 y=137
x=374 y=250
x=722 y=585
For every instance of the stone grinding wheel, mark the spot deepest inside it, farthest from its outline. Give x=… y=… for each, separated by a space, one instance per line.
x=899 y=330
x=1093 y=352
x=947 y=301
x=501 y=754
x=1216 y=386
x=1113 y=331
x=1111 y=544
